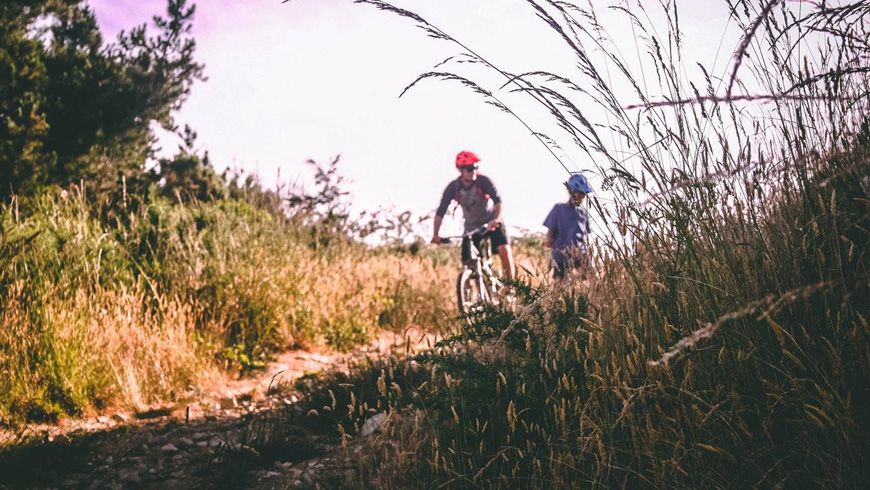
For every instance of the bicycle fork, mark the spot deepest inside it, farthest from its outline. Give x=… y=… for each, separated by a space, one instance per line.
x=481 y=283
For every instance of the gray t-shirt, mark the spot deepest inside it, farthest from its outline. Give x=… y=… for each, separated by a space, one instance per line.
x=477 y=201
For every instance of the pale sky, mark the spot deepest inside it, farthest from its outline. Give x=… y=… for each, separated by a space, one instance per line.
x=317 y=78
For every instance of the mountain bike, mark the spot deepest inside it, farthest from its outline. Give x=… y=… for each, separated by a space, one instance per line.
x=477 y=283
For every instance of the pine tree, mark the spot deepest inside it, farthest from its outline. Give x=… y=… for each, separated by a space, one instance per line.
x=75 y=108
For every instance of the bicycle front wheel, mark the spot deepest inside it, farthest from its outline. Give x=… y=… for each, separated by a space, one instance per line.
x=468 y=292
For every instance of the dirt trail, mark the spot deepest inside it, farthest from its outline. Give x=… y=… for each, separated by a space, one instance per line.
x=179 y=446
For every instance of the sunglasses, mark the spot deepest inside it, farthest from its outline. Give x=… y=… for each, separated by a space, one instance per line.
x=468 y=168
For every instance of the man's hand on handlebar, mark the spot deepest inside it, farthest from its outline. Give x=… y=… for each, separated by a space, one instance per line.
x=481 y=230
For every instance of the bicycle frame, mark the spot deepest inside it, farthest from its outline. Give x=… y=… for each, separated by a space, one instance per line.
x=478 y=268
x=481 y=264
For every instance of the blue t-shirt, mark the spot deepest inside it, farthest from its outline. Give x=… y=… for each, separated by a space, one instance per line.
x=570 y=225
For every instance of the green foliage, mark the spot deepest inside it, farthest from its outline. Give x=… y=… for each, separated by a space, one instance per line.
x=22 y=85
x=132 y=304
x=189 y=176
x=55 y=262
x=324 y=210
x=76 y=109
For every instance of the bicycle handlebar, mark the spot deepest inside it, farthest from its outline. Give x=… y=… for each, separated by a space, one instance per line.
x=479 y=230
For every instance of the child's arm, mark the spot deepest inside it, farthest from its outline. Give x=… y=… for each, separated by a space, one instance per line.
x=550 y=223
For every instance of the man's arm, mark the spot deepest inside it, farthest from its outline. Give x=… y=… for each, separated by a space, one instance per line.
x=488 y=187
x=496 y=217
x=446 y=197
x=551 y=238
x=436 y=228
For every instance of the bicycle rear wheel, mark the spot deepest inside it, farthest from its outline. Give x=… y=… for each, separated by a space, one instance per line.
x=468 y=293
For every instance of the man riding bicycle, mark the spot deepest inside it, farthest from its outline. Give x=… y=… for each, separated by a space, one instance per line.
x=481 y=205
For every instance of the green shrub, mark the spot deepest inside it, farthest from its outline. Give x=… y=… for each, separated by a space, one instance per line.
x=134 y=307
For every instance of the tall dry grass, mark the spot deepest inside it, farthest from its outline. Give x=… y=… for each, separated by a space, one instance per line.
x=725 y=339
x=137 y=306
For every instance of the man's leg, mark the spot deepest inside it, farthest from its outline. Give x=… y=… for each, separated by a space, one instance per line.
x=507 y=261
x=466 y=250
x=502 y=245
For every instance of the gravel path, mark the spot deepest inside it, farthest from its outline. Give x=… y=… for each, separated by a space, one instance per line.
x=200 y=444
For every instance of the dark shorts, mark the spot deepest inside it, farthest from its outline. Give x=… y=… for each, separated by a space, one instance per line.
x=497 y=238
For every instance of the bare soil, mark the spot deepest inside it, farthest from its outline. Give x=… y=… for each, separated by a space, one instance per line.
x=200 y=443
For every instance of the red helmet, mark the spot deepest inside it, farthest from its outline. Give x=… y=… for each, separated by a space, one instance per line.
x=466 y=158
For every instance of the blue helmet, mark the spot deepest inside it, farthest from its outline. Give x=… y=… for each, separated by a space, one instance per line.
x=578 y=183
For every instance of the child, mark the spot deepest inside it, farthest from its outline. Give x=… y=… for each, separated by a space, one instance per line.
x=567 y=227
